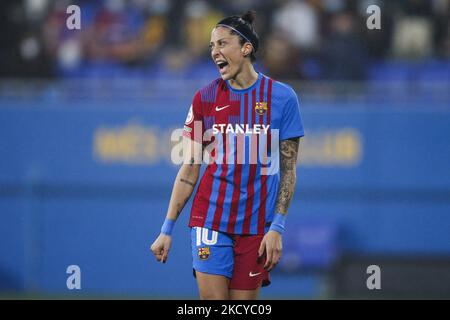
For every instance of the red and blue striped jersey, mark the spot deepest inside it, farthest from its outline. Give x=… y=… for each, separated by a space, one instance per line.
x=237 y=192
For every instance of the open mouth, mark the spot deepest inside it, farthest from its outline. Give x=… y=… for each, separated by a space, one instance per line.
x=222 y=65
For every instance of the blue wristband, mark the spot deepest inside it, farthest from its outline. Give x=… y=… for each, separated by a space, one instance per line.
x=278 y=223
x=167 y=227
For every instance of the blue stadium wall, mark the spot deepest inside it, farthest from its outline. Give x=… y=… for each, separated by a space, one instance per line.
x=88 y=183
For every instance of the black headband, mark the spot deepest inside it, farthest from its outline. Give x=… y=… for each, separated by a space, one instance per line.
x=242 y=29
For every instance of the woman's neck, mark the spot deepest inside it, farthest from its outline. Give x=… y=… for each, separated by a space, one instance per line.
x=244 y=79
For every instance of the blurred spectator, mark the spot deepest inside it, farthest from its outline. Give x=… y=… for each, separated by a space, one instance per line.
x=121 y=32
x=191 y=57
x=281 y=58
x=375 y=40
x=113 y=33
x=444 y=47
x=343 y=54
x=298 y=20
x=199 y=20
x=333 y=6
x=441 y=17
x=413 y=31
x=65 y=46
x=412 y=37
x=22 y=51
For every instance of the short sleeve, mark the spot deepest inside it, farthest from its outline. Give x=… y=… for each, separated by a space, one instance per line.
x=291 y=123
x=193 y=126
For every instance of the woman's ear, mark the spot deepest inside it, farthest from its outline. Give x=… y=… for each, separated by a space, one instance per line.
x=246 y=49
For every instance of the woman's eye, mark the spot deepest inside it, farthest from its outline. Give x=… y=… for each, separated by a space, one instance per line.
x=220 y=44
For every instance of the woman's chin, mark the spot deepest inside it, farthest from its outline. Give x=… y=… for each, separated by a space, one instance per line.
x=226 y=76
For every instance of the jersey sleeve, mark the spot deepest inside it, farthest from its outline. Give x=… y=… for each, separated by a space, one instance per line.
x=193 y=126
x=291 y=123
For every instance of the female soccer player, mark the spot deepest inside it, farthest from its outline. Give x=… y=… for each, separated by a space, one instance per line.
x=239 y=210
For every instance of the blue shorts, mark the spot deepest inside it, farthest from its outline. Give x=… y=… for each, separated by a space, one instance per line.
x=229 y=255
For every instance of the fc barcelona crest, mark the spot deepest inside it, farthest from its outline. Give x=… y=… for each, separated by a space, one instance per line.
x=261 y=107
x=203 y=253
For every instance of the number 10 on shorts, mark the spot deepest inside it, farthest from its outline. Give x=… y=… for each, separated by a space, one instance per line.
x=203 y=236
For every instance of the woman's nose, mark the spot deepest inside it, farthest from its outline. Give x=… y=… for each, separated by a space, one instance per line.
x=215 y=52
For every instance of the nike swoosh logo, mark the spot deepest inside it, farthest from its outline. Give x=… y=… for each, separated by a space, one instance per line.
x=251 y=274
x=221 y=108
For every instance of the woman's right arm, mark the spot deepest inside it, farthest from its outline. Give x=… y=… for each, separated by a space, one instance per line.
x=183 y=188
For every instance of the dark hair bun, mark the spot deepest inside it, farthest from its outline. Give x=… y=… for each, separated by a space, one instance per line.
x=243 y=27
x=249 y=16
